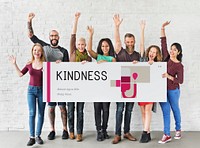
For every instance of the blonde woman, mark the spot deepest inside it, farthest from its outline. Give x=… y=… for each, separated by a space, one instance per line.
x=34 y=94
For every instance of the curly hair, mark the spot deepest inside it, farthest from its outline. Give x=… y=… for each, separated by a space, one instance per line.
x=111 y=47
x=158 y=57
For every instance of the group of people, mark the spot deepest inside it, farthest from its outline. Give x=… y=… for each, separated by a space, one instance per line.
x=106 y=52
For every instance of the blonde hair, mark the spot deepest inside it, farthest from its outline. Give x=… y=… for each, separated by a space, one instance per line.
x=82 y=39
x=42 y=58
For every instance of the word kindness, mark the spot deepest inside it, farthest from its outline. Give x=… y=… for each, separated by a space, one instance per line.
x=81 y=75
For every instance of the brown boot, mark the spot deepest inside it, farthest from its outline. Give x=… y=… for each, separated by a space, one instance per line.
x=116 y=139
x=79 y=137
x=129 y=137
x=71 y=135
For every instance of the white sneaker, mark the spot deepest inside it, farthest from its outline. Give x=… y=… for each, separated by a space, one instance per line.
x=177 y=134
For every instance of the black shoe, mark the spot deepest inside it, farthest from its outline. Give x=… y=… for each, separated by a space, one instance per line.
x=100 y=136
x=144 y=137
x=65 y=135
x=39 y=140
x=105 y=135
x=149 y=136
x=51 y=135
x=31 y=142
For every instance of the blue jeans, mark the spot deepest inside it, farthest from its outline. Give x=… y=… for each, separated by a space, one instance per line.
x=127 y=117
x=79 y=111
x=173 y=102
x=35 y=96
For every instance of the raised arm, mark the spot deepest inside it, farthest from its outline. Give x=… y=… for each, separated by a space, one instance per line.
x=162 y=34
x=77 y=15
x=30 y=28
x=73 y=35
x=142 y=27
x=31 y=35
x=13 y=61
x=165 y=52
x=89 y=47
x=118 y=43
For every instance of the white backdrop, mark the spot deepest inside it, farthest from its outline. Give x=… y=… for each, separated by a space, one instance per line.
x=51 y=14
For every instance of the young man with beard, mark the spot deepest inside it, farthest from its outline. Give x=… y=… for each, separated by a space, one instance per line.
x=53 y=53
x=124 y=55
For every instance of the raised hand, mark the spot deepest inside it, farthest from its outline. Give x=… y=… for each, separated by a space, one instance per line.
x=90 y=29
x=142 y=24
x=77 y=15
x=165 y=24
x=117 y=20
x=12 y=59
x=162 y=33
x=31 y=16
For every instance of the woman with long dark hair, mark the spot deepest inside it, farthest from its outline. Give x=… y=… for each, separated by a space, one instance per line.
x=174 y=75
x=105 y=53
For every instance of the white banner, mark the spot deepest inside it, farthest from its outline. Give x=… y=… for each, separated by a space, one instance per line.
x=105 y=82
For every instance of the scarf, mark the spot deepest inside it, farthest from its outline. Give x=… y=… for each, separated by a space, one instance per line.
x=81 y=56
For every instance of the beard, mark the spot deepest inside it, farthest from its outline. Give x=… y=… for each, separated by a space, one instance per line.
x=130 y=47
x=54 y=43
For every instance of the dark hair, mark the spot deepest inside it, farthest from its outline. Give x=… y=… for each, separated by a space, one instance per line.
x=158 y=57
x=129 y=35
x=111 y=49
x=179 y=48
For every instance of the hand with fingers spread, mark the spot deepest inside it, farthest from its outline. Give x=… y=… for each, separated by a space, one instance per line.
x=92 y=53
x=117 y=20
x=90 y=30
x=118 y=43
x=142 y=24
x=12 y=59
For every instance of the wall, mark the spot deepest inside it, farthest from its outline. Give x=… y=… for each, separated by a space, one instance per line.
x=51 y=14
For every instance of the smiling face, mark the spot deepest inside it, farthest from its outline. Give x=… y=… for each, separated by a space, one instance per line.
x=38 y=52
x=81 y=45
x=105 y=48
x=129 y=42
x=173 y=52
x=54 y=38
x=152 y=54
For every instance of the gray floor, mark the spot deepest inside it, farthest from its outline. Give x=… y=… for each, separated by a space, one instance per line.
x=19 y=140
